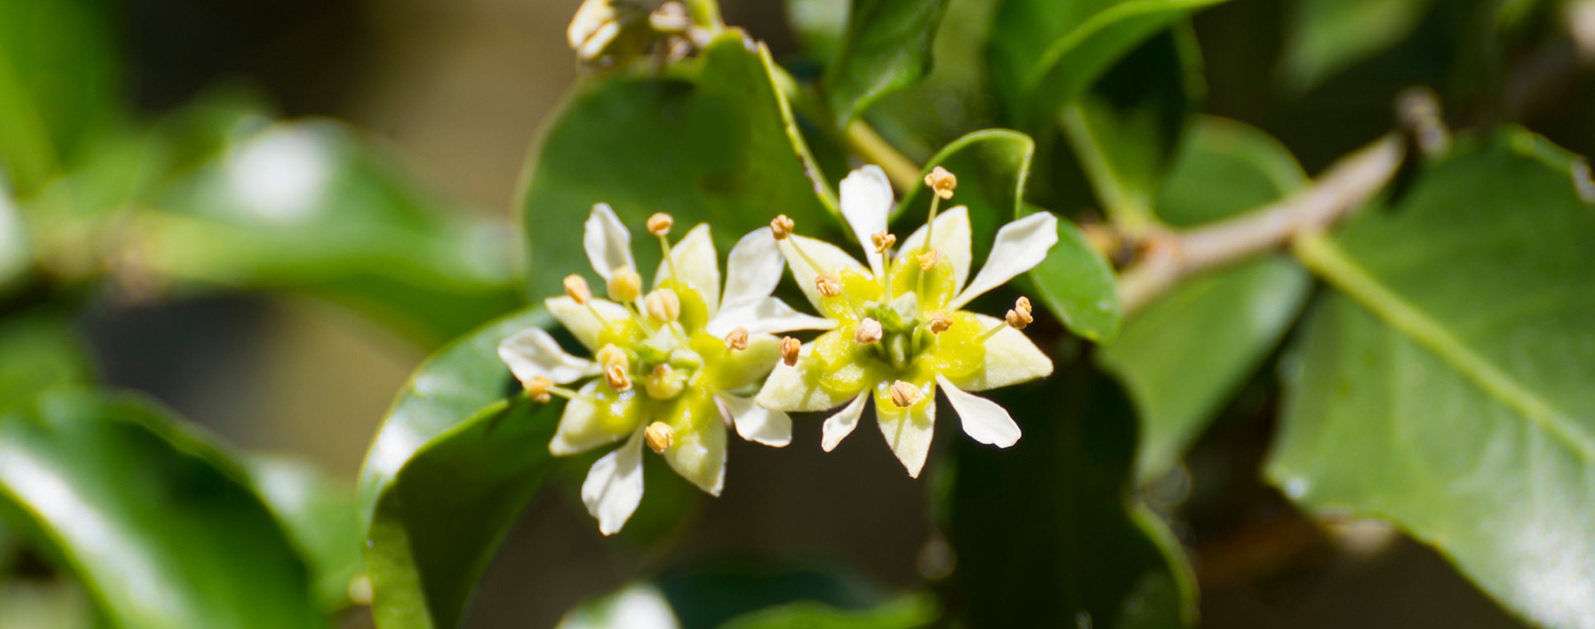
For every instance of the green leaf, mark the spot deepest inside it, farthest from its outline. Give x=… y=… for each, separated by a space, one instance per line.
x=907 y=612
x=37 y=352
x=458 y=457
x=320 y=517
x=1076 y=284
x=1446 y=387
x=954 y=97
x=1044 y=53
x=1048 y=527
x=1323 y=37
x=819 y=26
x=887 y=47
x=1126 y=128
x=1183 y=357
x=710 y=140
x=159 y=525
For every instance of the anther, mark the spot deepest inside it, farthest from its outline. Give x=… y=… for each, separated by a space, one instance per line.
x=904 y=394
x=789 y=350
x=939 y=322
x=659 y=437
x=625 y=285
x=737 y=339
x=659 y=224
x=538 y=388
x=615 y=375
x=868 y=331
x=883 y=241
x=1022 y=304
x=1019 y=316
x=927 y=260
x=663 y=305
x=827 y=285
x=609 y=355
x=941 y=181
x=663 y=383
x=782 y=227
x=576 y=288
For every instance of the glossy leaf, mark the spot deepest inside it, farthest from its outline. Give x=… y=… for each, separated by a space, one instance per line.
x=1048 y=528
x=819 y=26
x=1076 y=284
x=1323 y=37
x=1184 y=356
x=458 y=457
x=954 y=97
x=160 y=526
x=1044 y=53
x=887 y=47
x=1446 y=387
x=59 y=85
x=319 y=514
x=709 y=140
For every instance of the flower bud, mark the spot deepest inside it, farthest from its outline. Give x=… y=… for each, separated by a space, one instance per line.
x=624 y=285
x=868 y=331
x=737 y=339
x=576 y=288
x=663 y=305
x=883 y=241
x=659 y=437
x=939 y=322
x=537 y=387
x=827 y=285
x=782 y=227
x=790 y=347
x=904 y=394
x=659 y=224
x=942 y=182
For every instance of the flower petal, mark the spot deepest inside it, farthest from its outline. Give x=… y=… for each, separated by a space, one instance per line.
x=580 y=428
x=866 y=202
x=753 y=269
x=797 y=388
x=607 y=242
x=758 y=424
x=533 y=352
x=983 y=420
x=1011 y=358
x=908 y=431
x=831 y=259
x=613 y=488
x=579 y=320
x=698 y=264
x=699 y=454
x=837 y=427
x=1020 y=246
x=767 y=315
x=952 y=240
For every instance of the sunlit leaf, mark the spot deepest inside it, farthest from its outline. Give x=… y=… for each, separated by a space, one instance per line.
x=1077 y=285
x=319 y=515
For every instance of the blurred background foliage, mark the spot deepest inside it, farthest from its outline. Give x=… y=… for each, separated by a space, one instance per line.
x=230 y=232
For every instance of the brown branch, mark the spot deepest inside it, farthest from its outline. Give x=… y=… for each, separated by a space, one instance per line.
x=1173 y=256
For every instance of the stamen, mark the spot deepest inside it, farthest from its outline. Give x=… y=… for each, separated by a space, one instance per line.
x=610 y=356
x=868 y=331
x=576 y=288
x=537 y=387
x=790 y=347
x=1019 y=316
x=883 y=241
x=737 y=339
x=939 y=322
x=928 y=260
x=663 y=384
x=827 y=285
x=659 y=437
x=781 y=227
x=659 y=224
x=625 y=285
x=904 y=394
x=663 y=305
x=616 y=376
x=942 y=182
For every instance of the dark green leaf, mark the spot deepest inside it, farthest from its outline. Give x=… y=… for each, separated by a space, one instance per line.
x=1184 y=356
x=159 y=525
x=819 y=26
x=907 y=612
x=887 y=47
x=1076 y=284
x=1048 y=528
x=38 y=352
x=455 y=461
x=1044 y=53
x=1326 y=36
x=1447 y=387
x=320 y=517
x=954 y=97
x=709 y=141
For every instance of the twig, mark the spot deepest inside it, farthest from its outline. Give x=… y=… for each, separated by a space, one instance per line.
x=1173 y=256
x=902 y=171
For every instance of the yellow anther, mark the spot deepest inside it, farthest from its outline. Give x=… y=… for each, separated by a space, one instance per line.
x=659 y=437
x=883 y=241
x=576 y=288
x=617 y=378
x=904 y=394
x=790 y=347
x=664 y=383
x=610 y=355
x=1018 y=319
x=625 y=285
x=1022 y=304
x=927 y=260
x=737 y=339
x=942 y=182
x=663 y=305
x=868 y=331
x=538 y=388
x=659 y=224
x=781 y=227
x=939 y=322
x=827 y=285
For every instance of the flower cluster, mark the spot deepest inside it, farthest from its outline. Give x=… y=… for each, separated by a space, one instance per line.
x=674 y=367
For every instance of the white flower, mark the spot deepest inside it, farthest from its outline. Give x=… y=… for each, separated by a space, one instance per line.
x=682 y=376
x=926 y=342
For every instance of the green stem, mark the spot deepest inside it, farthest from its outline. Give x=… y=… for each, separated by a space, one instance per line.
x=864 y=141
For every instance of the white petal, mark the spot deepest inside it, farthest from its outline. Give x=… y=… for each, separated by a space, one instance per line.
x=579 y=428
x=788 y=389
x=700 y=456
x=758 y=424
x=613 y=488
x=607 y=242
x=753 y=268
x=983 y=420
x=1011 y=358
x=767 y=315
x=1020 y=246
x=837 y=427
x=952 y=240
x=831 y=259
x=638 y=606
x=698 y=264
x=866 y=202
x=909 y=432
x=533 y=352
x=580 y=321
